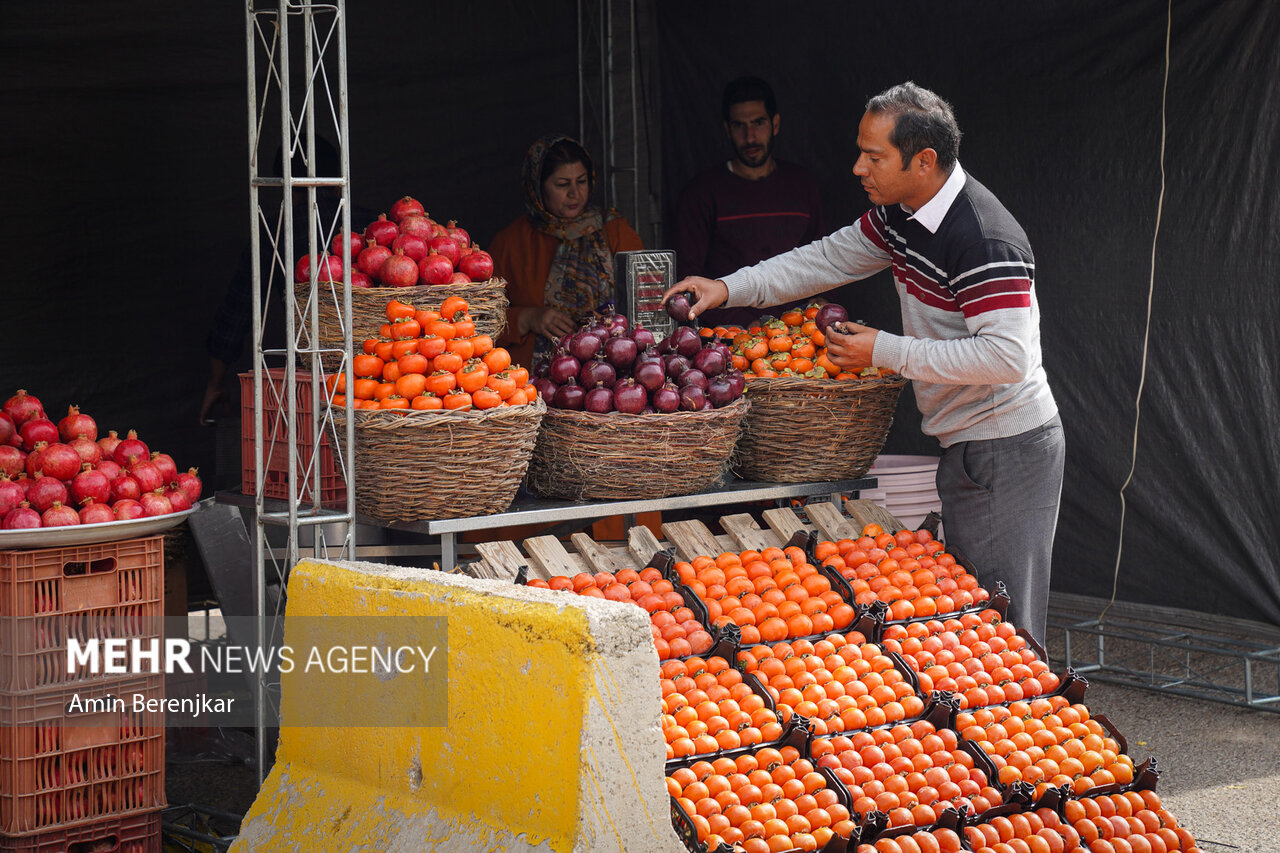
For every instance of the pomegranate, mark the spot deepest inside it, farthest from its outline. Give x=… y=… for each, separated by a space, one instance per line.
x=828 y=314
x=126 y=509
x=75 y=424
x=90 y=484
x=110 y=468
x=147 y=474
x=371 y=259
x=329 y=270
x=44 y=491
x=381 y=231
x=412 y=245
x=87 y=450
x=342 y=237
x=418 y=226
x=569 y=396
x=96 y=513
x=629 y=397
x=435 y=268
x=650 y=375
x=359 y=279
x=711 y=361
x=564 y=367
x=178 y=499
x=399 y=270
x=125 y=487
x=12 y=460
x=32 y=465
x=458 y=234
x=621 y=351
x=11 y=494
x=679 y=306
x=36 y=430
x=446 y=246
x=478 y=265
x=108 y=444
x=459 y=278
x=407 y=206
x=643 y=337
x=22 y=407
x=597 y=372
x=692 y=398
x=190 y=483
x=7 y=429
x=583 y=345
x=59 y=516
x=720 y=391
x=666 y=399
x=21 y=517
x=131 y=451
x=168 y=468
x=60 y=461
x=155 y=503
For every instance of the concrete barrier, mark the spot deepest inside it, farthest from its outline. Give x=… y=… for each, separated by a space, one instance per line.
x=552 y=739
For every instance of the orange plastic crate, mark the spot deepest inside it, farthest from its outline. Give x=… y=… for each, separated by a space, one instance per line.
x=333 y=491
x=56 y=773
x=47 y=595
x=138 y=833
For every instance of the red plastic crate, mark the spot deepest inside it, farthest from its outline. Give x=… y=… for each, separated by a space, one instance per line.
x=333 y=490
x=138 y=833
x=55 y=773
x=47 y=595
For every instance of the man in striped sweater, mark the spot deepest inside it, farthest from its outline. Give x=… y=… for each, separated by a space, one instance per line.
x=965 y=276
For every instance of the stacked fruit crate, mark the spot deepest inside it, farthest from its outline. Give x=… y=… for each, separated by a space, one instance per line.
x=81 y=751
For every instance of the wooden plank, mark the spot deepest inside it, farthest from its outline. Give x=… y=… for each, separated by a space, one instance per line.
x=597 y=557
x=864 y=512
x=642 y=544
x=784 y=522
x=691 y=538
x=747 y=534
x=547 y=553
x=830 y=522
x=478 y=569
x=504 y=559
x=726 y=543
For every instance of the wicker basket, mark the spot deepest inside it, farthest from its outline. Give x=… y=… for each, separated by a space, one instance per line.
x=487 y=301
x=581 y=455
x=807 y=430
x=417 y=466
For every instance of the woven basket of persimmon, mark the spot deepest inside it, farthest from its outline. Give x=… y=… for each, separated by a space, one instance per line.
x=805 y=430
x=619 y=456
x=423 y=465
x=487 y=301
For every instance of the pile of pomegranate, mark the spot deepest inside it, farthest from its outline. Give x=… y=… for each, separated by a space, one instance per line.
x=60 y=474
x=402 y=249
x=605 y=366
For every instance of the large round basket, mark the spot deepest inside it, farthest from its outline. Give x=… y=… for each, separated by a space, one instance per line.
x=487 y=301
x=417 y=466
x=581 y=455
x=806 y=430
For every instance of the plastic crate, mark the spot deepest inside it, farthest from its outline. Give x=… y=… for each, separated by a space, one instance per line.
x=136 y=833
x=333 y=489
x=47 y=595
x=58 y=773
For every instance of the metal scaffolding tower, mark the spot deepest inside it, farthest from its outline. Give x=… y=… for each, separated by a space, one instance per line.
x=298 y=211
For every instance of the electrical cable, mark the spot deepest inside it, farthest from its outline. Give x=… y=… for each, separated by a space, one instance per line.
x=1146 y=334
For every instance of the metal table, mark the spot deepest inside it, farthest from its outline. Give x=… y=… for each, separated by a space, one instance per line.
x=529 y=509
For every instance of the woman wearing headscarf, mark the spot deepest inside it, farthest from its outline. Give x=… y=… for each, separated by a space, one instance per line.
x=558 y=257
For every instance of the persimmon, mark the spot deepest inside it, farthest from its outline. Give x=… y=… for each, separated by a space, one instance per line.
x=452 y=306
x=448 y=361
x=394 y=401
x=426 y=402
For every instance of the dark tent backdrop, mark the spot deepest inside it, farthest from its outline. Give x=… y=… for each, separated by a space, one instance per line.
x=124 y=165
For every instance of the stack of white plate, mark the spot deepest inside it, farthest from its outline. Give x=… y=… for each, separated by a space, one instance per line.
x=906 y=487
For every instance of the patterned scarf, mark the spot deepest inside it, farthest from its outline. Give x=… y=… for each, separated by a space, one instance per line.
x=580 y=282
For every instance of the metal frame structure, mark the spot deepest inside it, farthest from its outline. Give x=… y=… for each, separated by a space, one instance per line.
x=299 y=92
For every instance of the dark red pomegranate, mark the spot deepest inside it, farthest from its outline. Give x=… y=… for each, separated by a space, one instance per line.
x=96 y=513
x=458 y=234
x=459 y=277
x=381 y=231
x=125 y=487
x=190 y=483
x=59 y=516
x=126 y=509
x=36 y=430
x=330 y=269
x=44 y=491
x=11 y=494
x=446 y=246
x=372 y=259
x=155 y=503
x=177 y=499
x=355 y=240
x=630 y=397
x=418 y=226
x=412 y=245
x=7 y=429
x=359 y=279
x=478 y=265
x=131 y=451
x=87 y=450
x=60 y=461
x=399 y=270
x=168 y=468
x=21 y=517
x=75 y=424
x=22 y=407
x=12 y=460
x=110 y=468
x=435 y=268
x=90 y=484
x=108 y=443
x=148 y=476
x=406 y=206
x=32 y=465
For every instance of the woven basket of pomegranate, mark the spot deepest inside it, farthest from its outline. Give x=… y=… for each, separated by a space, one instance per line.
x=423 y=465
x=488 y=301
x=804 y=430
x=617 y=456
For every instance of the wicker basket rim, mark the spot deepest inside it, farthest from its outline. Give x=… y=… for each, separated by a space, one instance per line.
x=407 y=418
x=773 y=383
x=379 y=289
x=737 y=406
